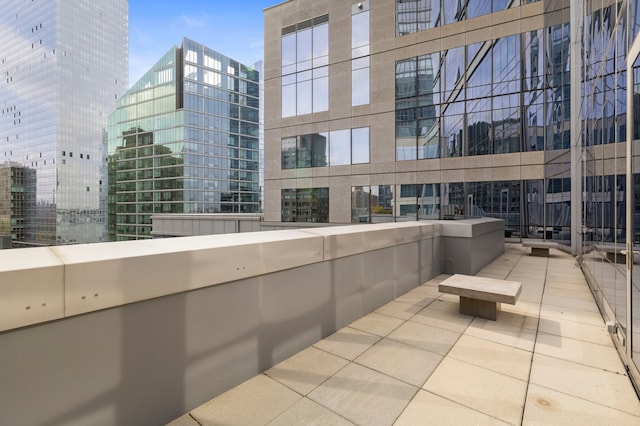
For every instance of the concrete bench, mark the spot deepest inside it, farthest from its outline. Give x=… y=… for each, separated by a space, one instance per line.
x=481 y=296
x=540 y=248
x=615 y=253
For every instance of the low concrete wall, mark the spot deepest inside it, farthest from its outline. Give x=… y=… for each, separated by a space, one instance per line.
x=141 y=332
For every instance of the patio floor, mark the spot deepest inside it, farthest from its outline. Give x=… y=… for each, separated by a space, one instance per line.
x=416 y=361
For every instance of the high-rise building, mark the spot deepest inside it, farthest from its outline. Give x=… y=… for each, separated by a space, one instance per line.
x=17 y=199
x=437 y=109
x=63 y=64
x=184 y=139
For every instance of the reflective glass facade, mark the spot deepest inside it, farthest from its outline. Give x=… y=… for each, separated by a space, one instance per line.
x=63 y=65
x=521 y=113
x=184 y=139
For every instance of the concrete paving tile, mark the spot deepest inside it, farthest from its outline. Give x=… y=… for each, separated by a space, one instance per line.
x=571 y=302
x=447 y=319
x=492 y=393
x=419 y=297
x=415 y=367
x=575 y=330
x=364 y=396
x=432 y=339
x=598 y=356
x=429 y=409
x=518 y=338
x=400 y=309
x=492 y=356
x=446 y=305
x=255 y=402
x=548 y=407
x=378 y=324
x=560 y=313
x=583 y=293
x=593 y=384
x=308 y=413
x=307 y=369
x=185 y=420
x=347 y=343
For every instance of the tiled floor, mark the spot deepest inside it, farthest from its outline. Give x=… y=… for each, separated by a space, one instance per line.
x=416 y=361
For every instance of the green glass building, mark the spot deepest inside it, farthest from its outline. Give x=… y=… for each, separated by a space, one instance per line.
x=184 y=139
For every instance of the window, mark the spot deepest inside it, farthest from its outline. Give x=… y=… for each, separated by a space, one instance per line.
x=305 y=205
x=339 y=147
x=360 y=64
x=305 y=75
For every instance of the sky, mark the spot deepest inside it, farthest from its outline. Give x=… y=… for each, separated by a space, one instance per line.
x=233 y=28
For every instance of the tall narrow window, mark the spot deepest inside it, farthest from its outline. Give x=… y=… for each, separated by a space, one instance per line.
x=305 y=74
x=360 y=64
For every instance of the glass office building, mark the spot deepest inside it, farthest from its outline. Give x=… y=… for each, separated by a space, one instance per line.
x=63 y=64
x=519 y=110
x=184 y=139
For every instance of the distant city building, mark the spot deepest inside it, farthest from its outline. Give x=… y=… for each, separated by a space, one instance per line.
x=63 y=64
x=184 y=139
x=17 y=203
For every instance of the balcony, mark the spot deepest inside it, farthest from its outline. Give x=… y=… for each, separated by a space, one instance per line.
x=342 y=325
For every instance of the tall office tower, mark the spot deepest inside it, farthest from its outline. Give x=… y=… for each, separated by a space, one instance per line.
x=184 y=139
x=396 y=110
x=63 y=64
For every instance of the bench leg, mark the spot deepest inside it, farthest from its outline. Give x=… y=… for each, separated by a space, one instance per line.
x=479 y=308
x=539 y=251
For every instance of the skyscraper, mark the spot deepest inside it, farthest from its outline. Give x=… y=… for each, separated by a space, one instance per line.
x=63 y=65
x=184 y=139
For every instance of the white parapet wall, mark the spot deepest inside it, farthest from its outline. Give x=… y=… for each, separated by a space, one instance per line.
x=140 y=332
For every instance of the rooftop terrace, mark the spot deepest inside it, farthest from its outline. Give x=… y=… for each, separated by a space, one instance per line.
x=416 y=360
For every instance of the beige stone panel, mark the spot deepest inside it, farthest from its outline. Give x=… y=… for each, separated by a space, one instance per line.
x=320 y=116
x=532 y=23
x=340 y=90
x=406 y=52
x=430 y=164
x=478 y=175
x=505 y=173
x=448 y=176
x=274 y=173
x=340 y=200
x=511 y=14
x=289 y=174
x=319 y=8
x=476 y=36
x=621 y=149
x=272 y=104
x=320 y=182
x=340 y=124
x=406 y=40
x=510 y=159
x=273 y=184
x=531 y=10
x=430 y=40
x=272 y=62
x=531 y=158
x=406 y=178
x=383 y=179
x=360 y=180
x=360 y=169
x=361 y=121
x=608 y=151
x=382 y=88
x=553 y=18
x=320 y=171
x=406 y=166
x=362 y=110
x=272 y=204
x=452 y=41
x=432 y=176
x=301 y=120
x=506 y=29
x=304 y=183
x=478 y=161
x=304 y=173
x=320 y=126
x=340 y=170
x=382 y=138
x=339 y=37
x=453 y=163
x=613 y=167
x=289 y=183
x=455 y=28
x=599 y=168
x=382 y=24
x=479 y=22
x=383 y=167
